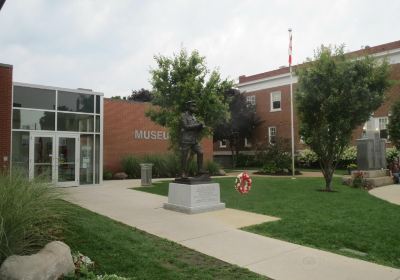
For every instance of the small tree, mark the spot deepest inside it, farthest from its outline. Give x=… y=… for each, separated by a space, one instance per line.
x=394 y=124
x=241 y=124
x=336 y=94
x=141 y=95
x=182 y=78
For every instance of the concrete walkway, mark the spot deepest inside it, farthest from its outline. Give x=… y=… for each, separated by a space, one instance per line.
x=217 y=234
x=390 y=193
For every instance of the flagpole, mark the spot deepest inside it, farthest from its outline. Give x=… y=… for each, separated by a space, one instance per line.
x=291 y=100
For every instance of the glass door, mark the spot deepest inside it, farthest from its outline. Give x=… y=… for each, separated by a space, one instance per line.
x=54 y=158
x=41 y=159
x=67 y=160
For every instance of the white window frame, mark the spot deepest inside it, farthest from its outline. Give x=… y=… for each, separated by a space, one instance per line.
x=251 y=99
x=222 y=143
x=384 y=121
x=276 y=94
x=247 y=143
x=271 y=133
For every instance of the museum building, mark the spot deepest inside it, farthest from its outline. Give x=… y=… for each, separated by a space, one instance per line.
x=72 y=135
x=270 y=93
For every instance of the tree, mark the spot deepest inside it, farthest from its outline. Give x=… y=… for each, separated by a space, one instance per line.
x=182 y=78
x=241 y=124
x=141 y=95
x=337 y=93
x=394 y=124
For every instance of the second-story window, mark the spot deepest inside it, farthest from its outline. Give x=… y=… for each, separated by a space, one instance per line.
x=275 y=101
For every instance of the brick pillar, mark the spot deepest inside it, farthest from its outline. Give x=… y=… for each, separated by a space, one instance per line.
x=5 y=115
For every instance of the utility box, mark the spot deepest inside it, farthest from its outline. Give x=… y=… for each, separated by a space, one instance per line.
x=146 y=173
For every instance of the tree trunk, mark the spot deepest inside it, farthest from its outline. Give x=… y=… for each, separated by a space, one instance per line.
x=327 y=171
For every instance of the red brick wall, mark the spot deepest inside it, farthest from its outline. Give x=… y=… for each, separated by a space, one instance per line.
x=121 y=119
x=281 y=119
x=5 y=114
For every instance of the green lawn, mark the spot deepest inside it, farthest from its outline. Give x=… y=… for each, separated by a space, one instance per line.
x=349 y=218
x=126 y=251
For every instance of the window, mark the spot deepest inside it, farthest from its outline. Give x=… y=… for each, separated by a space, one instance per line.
x=383 y=128
x=75 y=122
x=35 y=98
x=33 y=120
x=222 y=143
x=275 y=101
x=251 y=99
x=75 y=102
x=247 y=143
x=271 y=134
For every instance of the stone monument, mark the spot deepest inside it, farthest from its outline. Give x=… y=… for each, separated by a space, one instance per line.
x=371 y=152
x=371 y=161
x=192 y=194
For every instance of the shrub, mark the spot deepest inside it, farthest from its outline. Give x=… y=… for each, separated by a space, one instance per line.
x=107 y=175
x=212 y=167
x=392 y=154
x=349 y=156
x=30 y=215
x=275 y=157
x=130 y=165
x=307 y=158
x=242 y=160
x=160 y=167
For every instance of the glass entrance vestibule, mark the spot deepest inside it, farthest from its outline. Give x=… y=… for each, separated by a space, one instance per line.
x=57 y=134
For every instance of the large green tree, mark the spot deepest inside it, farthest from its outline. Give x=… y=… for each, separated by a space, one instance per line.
x=337 y=93
x=394 y=125
x=240 y=125
x=182 y=78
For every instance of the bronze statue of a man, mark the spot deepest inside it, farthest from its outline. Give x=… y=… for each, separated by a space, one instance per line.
x=189 y=140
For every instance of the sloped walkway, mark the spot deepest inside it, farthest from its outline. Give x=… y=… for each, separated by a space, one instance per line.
x=389 y=193
x=217 y=234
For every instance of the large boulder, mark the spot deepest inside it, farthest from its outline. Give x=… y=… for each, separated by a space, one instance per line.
x=53 y=261
x=120 y=176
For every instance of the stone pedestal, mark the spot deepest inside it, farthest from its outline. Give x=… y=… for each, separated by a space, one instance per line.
x=192 y=199
x=371 y=153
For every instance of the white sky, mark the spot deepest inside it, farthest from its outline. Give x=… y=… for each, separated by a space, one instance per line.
x=108 y=45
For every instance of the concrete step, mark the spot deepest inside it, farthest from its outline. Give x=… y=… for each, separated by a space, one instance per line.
x=373 y=182
x=380 y=181
x=373 y=173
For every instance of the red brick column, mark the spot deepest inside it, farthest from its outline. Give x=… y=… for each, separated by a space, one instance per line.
x=5 y=115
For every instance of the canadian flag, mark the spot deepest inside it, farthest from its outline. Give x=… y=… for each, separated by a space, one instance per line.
x=290 y=47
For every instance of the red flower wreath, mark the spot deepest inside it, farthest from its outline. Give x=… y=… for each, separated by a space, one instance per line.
x=243 y=183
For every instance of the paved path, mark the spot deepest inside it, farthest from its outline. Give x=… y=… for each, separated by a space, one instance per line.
x=217 y=234
x=390 y=193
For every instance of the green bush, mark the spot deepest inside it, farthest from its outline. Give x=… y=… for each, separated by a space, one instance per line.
x=212 y=167
x=107 y=175
x=348 y=157
x=392 y=154
x=307 y=158
x=275 y=158
x=242 y=160
x=130 y=165
x=30 y=215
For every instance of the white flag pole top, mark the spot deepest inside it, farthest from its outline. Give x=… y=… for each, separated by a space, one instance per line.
x=290 y=47
x=291 y=99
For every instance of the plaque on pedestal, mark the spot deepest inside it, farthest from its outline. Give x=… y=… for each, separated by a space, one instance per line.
x=194 y=198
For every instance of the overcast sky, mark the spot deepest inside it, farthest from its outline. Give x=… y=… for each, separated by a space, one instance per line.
x=108 y=46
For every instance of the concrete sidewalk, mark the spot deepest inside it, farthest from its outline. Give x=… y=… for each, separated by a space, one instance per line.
x=389 y=193
x=217 y=234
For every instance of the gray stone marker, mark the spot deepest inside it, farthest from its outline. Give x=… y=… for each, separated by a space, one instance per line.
x=371 y=152
x=192 y=199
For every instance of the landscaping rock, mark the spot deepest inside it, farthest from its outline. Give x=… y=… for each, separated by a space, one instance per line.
x=52 y=262
x=120 y=176
x=221 y=172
